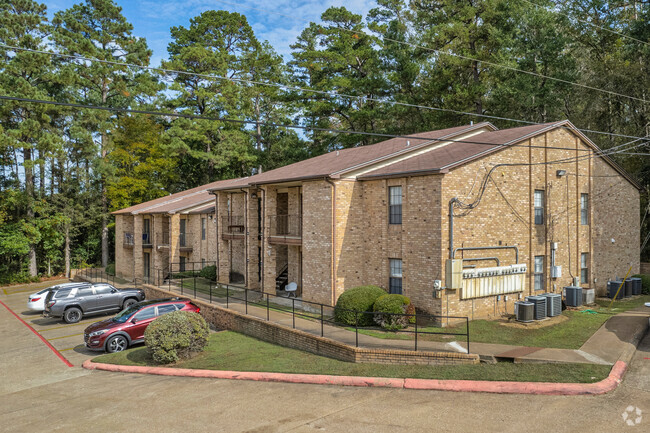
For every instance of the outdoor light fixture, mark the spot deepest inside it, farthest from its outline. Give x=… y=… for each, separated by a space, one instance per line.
x=254 y=195
x=560 y=173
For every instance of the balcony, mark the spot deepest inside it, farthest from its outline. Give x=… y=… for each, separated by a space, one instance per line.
x=162 y=241
x=285 y=229
x=129 y=240
x=147 y=240
x=185 y=241
x=233 y=227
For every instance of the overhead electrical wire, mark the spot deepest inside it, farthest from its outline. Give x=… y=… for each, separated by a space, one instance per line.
x=460 y=56
x=288 y=87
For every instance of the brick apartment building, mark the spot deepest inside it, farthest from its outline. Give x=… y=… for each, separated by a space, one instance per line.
x=534 y=208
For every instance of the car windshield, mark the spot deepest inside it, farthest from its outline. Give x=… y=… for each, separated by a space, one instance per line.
x=126 y=313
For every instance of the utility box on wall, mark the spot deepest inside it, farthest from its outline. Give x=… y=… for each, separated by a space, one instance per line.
x=454 y=274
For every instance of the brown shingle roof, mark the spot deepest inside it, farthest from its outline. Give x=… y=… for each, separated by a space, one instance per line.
x=459 y=152
x=178 y=201
x=336 y=161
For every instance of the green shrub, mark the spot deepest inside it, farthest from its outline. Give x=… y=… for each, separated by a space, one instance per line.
x=390 y=308
x=358 y=299
x=645 y=283
x=184 y=274
x=209 y=272
x=175 y=336
x=110 y=269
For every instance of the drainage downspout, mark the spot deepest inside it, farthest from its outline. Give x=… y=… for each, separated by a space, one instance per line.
x=263 y=191
x=333 y=263
x=216 y=223
x=246 y=233
x=451 y=226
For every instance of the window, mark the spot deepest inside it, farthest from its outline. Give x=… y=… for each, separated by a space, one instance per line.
x=539 y=272
x=103 y=290
x=182 y=237
x=539 y=207
x=395 y=205
x=164 y=309
x=145 y=314
x=84 y=292
x=202 y=263
x=203 y=229
x=146 y=231
x=395 y=282
x=584 y=268
x=182 y=264
x=584 y=209
x=63 y=293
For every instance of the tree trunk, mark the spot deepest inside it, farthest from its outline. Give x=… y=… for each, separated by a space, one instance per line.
x=258 y=130
x=104 y=145
x=67 y=251
x=29 y=191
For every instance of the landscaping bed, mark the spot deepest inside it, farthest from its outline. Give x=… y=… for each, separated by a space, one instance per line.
x=571 y=333
x=228 y=350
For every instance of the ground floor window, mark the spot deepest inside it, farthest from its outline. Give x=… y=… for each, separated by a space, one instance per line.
x=147 y=265
x=395 y=281
x=182 y=264
x=584 y=268
x=539 y=272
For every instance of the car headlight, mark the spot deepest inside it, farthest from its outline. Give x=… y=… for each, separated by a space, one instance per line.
x=96 y=333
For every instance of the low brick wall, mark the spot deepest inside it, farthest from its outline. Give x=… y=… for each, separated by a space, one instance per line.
x=223 y=318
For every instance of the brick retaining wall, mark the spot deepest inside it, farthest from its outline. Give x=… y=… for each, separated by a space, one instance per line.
x=277 y=334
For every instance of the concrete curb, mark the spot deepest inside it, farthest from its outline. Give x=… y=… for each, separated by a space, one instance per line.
x=538 y=388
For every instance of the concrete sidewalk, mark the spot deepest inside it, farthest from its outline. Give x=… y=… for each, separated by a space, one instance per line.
x=618 y=336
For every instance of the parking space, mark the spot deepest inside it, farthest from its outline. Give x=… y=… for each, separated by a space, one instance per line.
x=67 y=339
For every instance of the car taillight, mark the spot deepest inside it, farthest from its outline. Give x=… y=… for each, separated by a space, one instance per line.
x=51 y=303
x=198 y=309
x=34 y=299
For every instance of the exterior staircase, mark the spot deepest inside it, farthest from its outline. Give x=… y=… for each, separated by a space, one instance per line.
x=282 y=279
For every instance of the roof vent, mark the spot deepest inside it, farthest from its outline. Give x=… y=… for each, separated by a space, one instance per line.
x=337 y=153
x=408 y=143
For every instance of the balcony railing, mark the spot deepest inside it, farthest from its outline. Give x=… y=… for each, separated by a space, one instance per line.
x=285 y=228
x=185 y=240
x=147 y=239
x=233 y=225
x=129 y=240
x=163 y=241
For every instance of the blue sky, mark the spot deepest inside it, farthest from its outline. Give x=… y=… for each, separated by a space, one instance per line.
x=152 y=19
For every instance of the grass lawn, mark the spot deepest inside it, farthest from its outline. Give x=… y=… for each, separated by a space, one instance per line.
x=232 y=351
x=570 y=334
x=202 y=286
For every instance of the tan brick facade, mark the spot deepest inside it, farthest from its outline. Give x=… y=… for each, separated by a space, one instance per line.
x=325 y=259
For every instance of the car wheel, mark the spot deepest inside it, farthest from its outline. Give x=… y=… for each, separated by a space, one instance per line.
x=72 y=315
x=116 y=344
x=128 y=303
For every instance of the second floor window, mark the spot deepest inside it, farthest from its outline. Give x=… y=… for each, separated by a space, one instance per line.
x=539 y=206
x=584 y=209
x=395 y=205
x=202 y=229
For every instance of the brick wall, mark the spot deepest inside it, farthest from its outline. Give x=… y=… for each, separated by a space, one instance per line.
x=223 y=318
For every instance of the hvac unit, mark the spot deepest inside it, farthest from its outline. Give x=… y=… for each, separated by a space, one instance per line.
x=556 y=271
x=540 y=306
x=628 y=287
x=612 y=287
x=553 y=304
x=588 y=296
x=573 y=296
x=524 y=311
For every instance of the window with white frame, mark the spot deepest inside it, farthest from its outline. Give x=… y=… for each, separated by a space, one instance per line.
x=584 y=268
x=203 y=228
x=584 y=209
x=395 y=205
x=539 y=272
x=395 y=280
x=539 y=206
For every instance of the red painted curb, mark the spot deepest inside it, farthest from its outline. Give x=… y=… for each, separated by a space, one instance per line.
x=538 y=388
x=56 y=352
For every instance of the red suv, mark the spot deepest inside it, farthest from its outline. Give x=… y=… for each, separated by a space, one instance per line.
x=127 y=328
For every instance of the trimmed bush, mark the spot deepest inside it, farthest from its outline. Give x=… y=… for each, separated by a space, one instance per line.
x=391 y=306
x=645 y=283
x=209 y=272
x=110 y=269
x=358 y=299
x=175 y=336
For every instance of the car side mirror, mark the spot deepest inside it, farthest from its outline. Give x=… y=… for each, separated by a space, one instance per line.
x=134 y=320
x=113 y=290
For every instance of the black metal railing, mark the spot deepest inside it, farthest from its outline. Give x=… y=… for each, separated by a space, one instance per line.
x=233 y=224
x=163 y=239
x=285 y=225
x=129 y=240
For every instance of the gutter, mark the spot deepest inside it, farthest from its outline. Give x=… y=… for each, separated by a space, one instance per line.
x=333 y=264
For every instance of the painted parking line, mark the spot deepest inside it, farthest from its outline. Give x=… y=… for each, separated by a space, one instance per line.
x=56 y=352
x=65 y=336
x=65 y=326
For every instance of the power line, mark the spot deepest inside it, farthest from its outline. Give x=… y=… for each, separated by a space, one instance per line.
x=288 y=87
x=287 y=126
x=460 y=56
x=587 y=22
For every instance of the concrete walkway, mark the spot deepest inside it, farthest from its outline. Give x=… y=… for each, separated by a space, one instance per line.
x=619 y=335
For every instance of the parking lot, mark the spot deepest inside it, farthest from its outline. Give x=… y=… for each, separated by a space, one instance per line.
x=66 y=339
